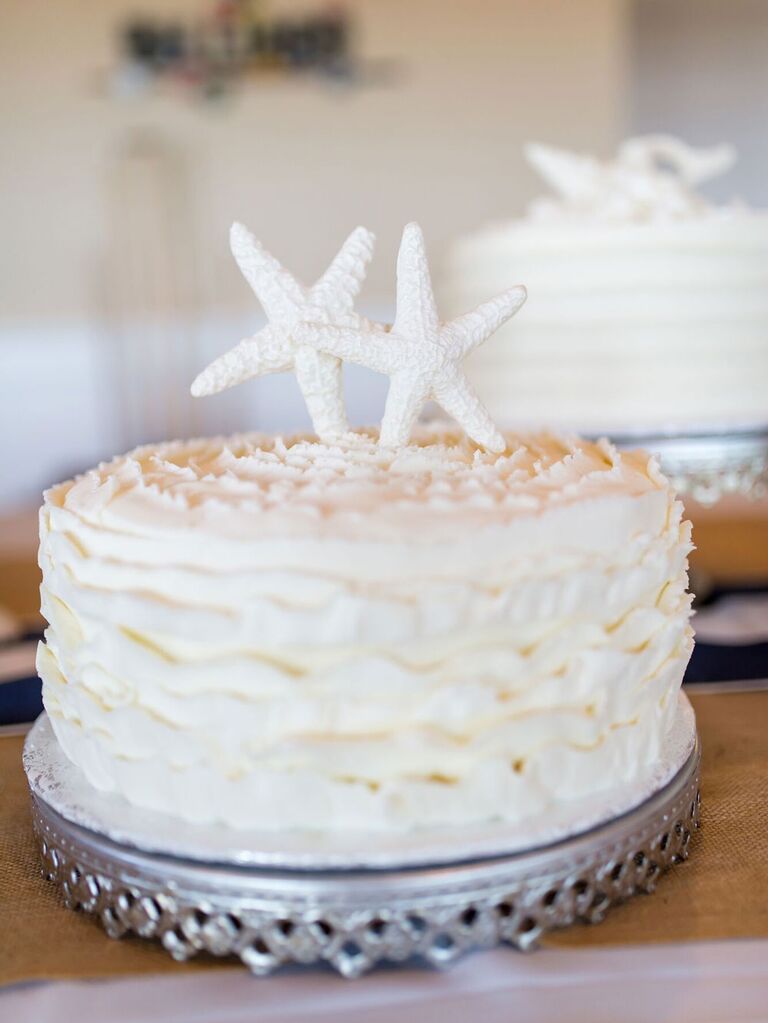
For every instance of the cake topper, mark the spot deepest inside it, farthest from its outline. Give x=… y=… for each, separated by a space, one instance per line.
x=651 y=176
x=421 y=356
x=288 y=303
x=312 y=330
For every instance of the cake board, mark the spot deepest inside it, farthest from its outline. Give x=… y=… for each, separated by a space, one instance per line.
x=359 y=900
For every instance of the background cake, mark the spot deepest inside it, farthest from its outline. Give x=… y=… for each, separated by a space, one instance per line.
x=648 y=306
x=292 y=634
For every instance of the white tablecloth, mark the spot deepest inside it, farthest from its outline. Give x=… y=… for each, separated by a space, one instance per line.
x=708 y=982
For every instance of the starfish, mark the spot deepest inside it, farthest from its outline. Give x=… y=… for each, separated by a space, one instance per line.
x=649 y=172
x=287 y=304
x=421 y=355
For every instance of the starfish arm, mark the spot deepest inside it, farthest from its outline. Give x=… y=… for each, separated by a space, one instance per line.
x=337 y=289
x=320 y=379
x=405 y=401
x=470 y=330
x=279 y=292
x=269 y=351
x=375 y=349
x=454 y=394
x=416 y=309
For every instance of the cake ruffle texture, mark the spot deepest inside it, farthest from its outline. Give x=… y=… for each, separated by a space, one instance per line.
x=282 y=633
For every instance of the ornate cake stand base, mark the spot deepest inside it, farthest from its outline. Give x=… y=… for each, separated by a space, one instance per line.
x=354 y=919
x=709 y=466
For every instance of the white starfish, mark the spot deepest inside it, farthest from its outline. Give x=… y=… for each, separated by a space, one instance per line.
x=422 y=356
x=287 y=303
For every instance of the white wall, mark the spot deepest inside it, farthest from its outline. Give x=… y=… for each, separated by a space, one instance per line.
x=700 y=70
x=115 y=213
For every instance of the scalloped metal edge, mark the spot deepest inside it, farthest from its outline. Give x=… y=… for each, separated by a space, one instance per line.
x=354 y=920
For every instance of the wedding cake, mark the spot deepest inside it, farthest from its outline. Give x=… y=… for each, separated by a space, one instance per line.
x=359 y=630
x=648 y=307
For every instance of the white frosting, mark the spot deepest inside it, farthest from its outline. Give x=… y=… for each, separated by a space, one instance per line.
x=284 y=633
x=648 y=306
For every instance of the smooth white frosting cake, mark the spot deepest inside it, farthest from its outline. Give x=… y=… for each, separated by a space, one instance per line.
x=283 y=633
x=648 y=306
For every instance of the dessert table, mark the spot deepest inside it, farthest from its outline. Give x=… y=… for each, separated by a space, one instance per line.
x=697 y=949
x=705 y=982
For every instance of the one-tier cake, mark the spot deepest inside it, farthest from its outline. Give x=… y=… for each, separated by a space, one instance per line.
x=364 y=631
x=649 y=304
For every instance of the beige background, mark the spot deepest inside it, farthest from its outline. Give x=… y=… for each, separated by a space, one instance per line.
x=304 y=163
x=116 y=284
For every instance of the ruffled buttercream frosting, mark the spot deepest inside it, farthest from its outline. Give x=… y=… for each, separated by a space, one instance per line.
x=275 y=631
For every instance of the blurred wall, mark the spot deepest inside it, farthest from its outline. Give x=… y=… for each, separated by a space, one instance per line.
x=117 y=284
x=700 y=70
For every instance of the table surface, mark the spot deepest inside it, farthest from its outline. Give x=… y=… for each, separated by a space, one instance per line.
x=707 y=982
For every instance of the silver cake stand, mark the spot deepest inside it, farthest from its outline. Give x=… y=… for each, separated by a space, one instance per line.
x=431 y=901
x=709 y=465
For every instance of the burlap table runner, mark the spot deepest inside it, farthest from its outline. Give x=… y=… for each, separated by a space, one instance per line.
x=719 y=893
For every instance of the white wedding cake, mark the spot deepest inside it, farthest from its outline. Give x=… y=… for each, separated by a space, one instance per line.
x=364 y=631
x=288 y=633
x=648 y=306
